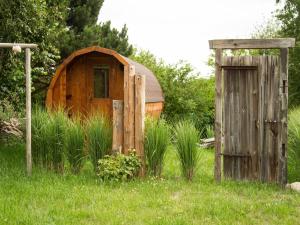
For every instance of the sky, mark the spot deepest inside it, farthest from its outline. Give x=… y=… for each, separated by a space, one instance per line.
x=180 y=29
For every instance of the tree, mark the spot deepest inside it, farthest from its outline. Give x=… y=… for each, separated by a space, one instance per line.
x=187 y=95
x=29 y=21
x=290 y=19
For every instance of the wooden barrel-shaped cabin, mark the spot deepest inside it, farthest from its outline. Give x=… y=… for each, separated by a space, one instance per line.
x=91 y=78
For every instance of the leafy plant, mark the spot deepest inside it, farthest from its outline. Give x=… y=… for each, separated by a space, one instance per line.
x=118 y=167
x=99 y=138
x=294 y=145
x=75 y=144
x=186 y=138
x=156 y=142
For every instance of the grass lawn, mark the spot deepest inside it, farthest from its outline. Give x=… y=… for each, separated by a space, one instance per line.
x=47 y=198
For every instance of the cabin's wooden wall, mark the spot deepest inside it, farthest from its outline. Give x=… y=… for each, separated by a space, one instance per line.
x=154 y=109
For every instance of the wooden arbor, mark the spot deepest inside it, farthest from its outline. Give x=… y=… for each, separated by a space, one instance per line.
x=251 y=111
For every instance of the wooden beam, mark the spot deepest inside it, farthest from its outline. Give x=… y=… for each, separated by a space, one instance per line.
x=282 y=155
x=218 y=114
x=140 y=119
x=252 y=43
x=118 y=125
x=28 y=111
x=22 y=45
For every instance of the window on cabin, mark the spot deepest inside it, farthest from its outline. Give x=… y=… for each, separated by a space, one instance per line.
x=101 y=82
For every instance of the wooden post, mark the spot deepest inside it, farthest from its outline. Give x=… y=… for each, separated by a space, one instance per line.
x=118 y=125
x=218 y=114
x=28 y=111
x=140 y=119
x=282 y=156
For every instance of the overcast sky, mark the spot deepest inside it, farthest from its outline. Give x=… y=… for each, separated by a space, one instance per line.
x=180 y=29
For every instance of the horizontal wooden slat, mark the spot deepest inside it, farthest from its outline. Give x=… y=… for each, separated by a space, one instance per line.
x=22 y=45
x=252 y=43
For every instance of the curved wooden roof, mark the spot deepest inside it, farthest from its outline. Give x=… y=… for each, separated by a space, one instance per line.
x=153 y=89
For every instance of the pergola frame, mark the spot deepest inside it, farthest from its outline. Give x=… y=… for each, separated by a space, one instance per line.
x=219 y=45
x=28 y=98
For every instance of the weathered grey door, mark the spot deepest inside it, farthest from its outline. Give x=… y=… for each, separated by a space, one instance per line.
x=251 y=123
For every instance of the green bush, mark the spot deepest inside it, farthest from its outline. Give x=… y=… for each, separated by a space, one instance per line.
x=75 y=144
x=156 y=142
x=294 y=145
x=118 y=167
x=99 y=138
x=186 y=139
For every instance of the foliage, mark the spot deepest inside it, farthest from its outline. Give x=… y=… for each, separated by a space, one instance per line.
x=157 y=139
x=294 y=145
x=289 y=17
x=58 y=27
x=118 y=167
x=39 y=124
x=48 y=137
x=99 y=138
x=29 y=21
x=186 y=139
x=210 y=132
x=75 y=144
x=187 y=95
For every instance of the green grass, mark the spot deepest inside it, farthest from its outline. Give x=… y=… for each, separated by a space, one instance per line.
x=49 y=198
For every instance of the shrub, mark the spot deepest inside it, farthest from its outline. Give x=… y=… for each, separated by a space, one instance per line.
x=75 y=144
x=99 y=138
x=294 y=145
x=156 y=143
x=186 y=138
x=209 y=131
x=118 y=167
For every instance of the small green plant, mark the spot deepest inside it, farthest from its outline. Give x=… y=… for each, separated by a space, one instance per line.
x=156 y=142
x=99 y=138
x=209 y=131
x=186 y=138
x=294 y=145
x=75 y=144
x=118 y=167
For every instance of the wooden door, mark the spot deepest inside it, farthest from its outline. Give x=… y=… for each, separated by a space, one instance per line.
x=99 y=72
x=251 y=116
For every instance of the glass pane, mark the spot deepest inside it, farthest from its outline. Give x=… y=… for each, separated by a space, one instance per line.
x=101 y=82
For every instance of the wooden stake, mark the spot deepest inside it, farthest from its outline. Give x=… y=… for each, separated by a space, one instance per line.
x=28 y=111
x=218 y=114
x=140 y=119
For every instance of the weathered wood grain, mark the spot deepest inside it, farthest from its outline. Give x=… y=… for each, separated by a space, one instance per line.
x=218 y=116
x=252 y=43
x=118 y=126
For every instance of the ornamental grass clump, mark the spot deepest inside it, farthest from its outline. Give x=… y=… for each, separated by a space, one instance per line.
x=99 y=138
x=75 y=144
x=186 y=139
x=157 y=138
x=294 y=145
x=40 y=120
x=55 y=132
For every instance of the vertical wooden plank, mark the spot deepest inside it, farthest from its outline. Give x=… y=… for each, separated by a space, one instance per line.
x=126 y=109
x=62 y=87
x=28 y=111
x=140 y=119
x=131 y=104
x=282 y=155
x=218 y=116
x=118 y=124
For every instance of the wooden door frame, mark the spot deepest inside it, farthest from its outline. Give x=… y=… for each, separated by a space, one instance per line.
x=283 y=45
